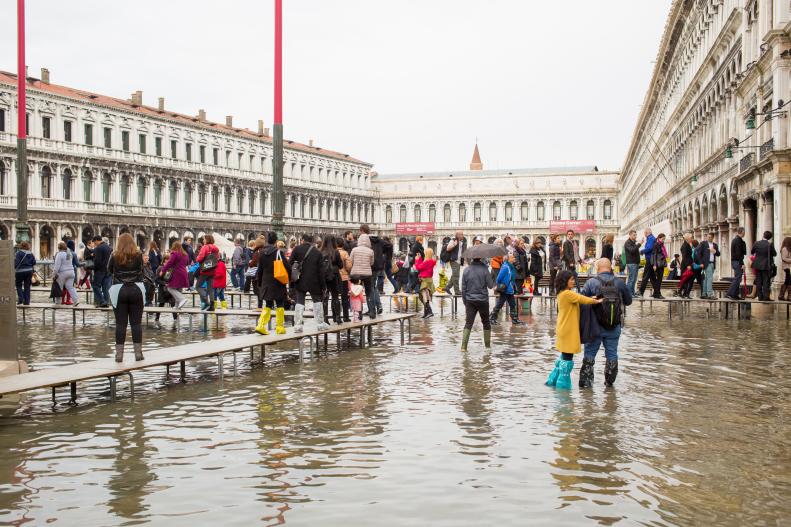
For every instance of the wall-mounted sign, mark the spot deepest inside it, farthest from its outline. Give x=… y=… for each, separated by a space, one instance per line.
x=413 y=228
x=578 y=226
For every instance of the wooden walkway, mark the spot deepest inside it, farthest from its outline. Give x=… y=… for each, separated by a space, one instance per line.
x=111 y=370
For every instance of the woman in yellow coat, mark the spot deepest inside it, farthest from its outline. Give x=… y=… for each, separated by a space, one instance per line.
x=567 y=330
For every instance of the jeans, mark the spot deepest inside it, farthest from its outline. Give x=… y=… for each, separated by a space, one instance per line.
x=378 y=278
x=708 y=280
x=631 y=281
x=608 y=337
x=219 y=293
x=478 y=307
x=454 y=278
x=101 y=288
x=738 y=270
x=391 y=278
x=502 y=299
x=205 y=285
x=23 y=283
x=237 y=276
x=129 y=311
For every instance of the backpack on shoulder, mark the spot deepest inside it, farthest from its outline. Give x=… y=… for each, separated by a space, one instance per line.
x=610 y=312
x=209 y=263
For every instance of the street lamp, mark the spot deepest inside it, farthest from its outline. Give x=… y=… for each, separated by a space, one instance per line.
x=22 y=228
x=278 y=196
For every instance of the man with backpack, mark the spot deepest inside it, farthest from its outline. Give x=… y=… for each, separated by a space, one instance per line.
x=307 y=278
x=609 y=315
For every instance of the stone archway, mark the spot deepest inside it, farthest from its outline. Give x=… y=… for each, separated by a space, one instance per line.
x=46 y=241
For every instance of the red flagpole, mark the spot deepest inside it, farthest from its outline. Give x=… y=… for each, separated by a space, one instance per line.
x=278 y=193
x=21 y=73
x=22 y=228
x=278 y=62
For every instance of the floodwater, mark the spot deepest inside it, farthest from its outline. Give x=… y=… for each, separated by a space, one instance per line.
x=695 y=432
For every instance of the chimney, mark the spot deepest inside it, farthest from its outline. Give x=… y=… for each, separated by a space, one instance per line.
x=310 y=142
x=229 y=121
x=27 y=73
x=202 y=116
x=266 y=132
x=260 y=127
x=45 y=75
x=161 y=104
x=137 y=98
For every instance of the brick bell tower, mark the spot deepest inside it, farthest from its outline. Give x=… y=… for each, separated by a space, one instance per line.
x=476 y=164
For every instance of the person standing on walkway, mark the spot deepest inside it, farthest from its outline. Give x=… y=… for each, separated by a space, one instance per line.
x=101 y=280
x=190 y=252
x=609 y=315
x=416 y=250
x=571 y=255
x=567 y=329
x=675 y=264
x=504 y=285
x=708 y=252
x=658 y=261
x=785 y=256
x=219 y=283
x=451 y=254
x=272 y=291
x=238 y=265
x=346 y=266
x=521 y=265
x=387 y=245
x=378 y=267
x=632 y=250
x=362 y=257
x=475 y=284
x=607 y=250
x=309 y=280
x=738 y=252
x=86 y=279
x=24 y=267
x=174 y=273
x=127 y=293
x=536 y=266
x=154 y=257
x=425 y=270
x=207 y=259
x=764 y=265
x=647 y=251
x=331 y=269
x=497 y=262
x=554 y=261
x=63 y=271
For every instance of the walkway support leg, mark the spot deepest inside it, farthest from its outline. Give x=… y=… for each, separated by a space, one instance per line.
x=73 y=387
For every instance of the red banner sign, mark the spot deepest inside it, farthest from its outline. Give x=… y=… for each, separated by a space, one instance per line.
x=578 y=226
x=413 y=228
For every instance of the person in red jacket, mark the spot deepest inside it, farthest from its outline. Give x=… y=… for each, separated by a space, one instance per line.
x=425 y=269
x=208 y=259
x=219 y=284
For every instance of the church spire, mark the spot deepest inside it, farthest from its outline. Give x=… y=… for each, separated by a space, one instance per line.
x=476 y=164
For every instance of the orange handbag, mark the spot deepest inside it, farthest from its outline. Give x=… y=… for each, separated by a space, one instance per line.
x=280 y=273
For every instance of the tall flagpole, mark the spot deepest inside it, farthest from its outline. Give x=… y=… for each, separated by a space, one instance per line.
x=278 y=196
x=22 y=228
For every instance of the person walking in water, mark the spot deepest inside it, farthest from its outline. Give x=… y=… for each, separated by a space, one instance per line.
x=127 y=294
x=271 y=290
x=567 y=329
x=475 y=284
x=505 y=287
x=425 y=270
x=63 y=271
x=24 y=267
x=609 y=315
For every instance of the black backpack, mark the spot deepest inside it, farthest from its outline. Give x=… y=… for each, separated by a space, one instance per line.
x=610 y=312
x=209 y=263
x=328 y=271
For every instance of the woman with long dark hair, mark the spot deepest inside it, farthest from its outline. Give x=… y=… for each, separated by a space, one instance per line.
x=127 y=294
x=331 y=262
x=785 y=254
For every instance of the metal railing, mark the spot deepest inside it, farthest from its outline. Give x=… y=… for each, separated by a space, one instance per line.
x=766 y=148
x=747 y=161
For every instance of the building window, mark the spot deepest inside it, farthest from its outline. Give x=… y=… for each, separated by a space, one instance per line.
x=215 y=199
x=216 y=156
x=302 y=208
x=172 y=194
x=402 y=214
x=540 y=211
x=188 y=151
x=432 y=213
x=124 y=189
x=67 y=179
x=107 y=185
x=607 y=210
x=173 y=147
x=67 y=131
x=294 y=208
x=476 y=213
x=158 y=193
x=523 y=211
x=252 y=161
x=108 y=137
x=141 y=143
x=590 y=210
x=239 y=161
x=87 y=186
x=158 y=146
x=509 y=211
x=251 y=202
x=202 y=197
x=462 y=213
x=417 y=213
x=88 y=134
x=573 y=210
x=187 y=196
x=46 y=182
x=446 y=213
x=228 y=158
x=45 y=127
x=240 y=201
x=2 y=120
x=202 y=153
x=389 y=214
x=556 y=210
x=125 y=141
x=141 y=191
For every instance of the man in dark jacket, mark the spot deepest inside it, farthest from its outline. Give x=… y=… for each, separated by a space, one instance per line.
x=763 y=264
x=632 y=250
x=349 y=241
x=647 y=251
x=387 y=253
x=570 y=256
x=451 y=253
x=308 y=258
x=475 y=285
x=608 y=337
x=101 y=279
x=187 y=246
x=708 y=252
x=416 y=249
x=377 y=269
x=738 y=252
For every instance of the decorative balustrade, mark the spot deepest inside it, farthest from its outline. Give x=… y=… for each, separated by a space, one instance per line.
x=766 y=148
x=747 y=161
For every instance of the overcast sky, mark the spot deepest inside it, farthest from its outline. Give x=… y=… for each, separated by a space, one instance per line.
x=407 y=85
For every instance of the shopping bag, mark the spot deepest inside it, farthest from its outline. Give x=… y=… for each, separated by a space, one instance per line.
x=280 y=273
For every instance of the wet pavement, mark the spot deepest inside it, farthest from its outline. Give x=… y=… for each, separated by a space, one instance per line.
x=695 y=432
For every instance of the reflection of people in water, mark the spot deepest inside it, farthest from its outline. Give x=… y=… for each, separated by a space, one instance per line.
x=475 y=403
x=129 y=483
x=588 y=449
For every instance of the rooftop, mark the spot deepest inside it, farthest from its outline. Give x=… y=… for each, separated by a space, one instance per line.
x=549 y=171
x=151 y=112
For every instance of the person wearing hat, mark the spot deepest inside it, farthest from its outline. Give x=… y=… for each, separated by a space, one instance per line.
x=675 y=265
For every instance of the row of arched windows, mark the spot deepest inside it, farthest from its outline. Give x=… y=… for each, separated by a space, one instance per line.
x=493 y=213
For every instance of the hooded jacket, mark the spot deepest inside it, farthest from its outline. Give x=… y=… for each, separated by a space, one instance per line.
x=269 y=288
x=476 y=282
x=362 y=257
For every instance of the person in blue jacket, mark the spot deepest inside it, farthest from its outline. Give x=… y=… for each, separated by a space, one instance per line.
x=24 y=267
x=648 y=270
x=505 y=284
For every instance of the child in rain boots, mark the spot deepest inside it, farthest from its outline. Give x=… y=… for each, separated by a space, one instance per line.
x=567 y=330
x=356 y=293
x=220 y=281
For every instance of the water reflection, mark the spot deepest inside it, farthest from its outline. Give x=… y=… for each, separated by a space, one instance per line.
x=475 y=401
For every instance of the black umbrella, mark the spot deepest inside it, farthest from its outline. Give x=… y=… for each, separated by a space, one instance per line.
x=484 y=250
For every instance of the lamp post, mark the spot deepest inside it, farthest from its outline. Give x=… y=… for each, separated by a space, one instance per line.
x=22 y=228
x=278 y=196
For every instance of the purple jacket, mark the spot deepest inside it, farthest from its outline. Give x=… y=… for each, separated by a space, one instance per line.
x=178 y=262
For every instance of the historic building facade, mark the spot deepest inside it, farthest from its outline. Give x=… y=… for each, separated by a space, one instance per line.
x=104 y=166
x=721 y=77
x=495 y=202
